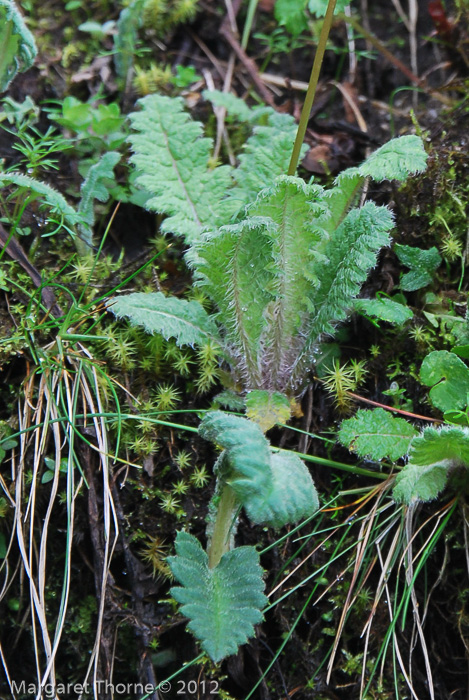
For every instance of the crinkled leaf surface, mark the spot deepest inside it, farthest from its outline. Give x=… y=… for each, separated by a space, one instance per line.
x=443 y=445
x=350 y=254
x=187 y=321
x=266 y=155
x=172 y=158
x=432 y=456
x=275 y=489
x=233 y=270
x=419 y=483
x=449 y=377
x=422 y=263
x=377 y=434
x=223 y=603
x=384 y=309
x=293 y=495
x=396 y=160
x=267 y=408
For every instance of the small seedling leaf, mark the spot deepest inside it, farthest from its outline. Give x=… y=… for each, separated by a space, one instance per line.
x=223 y=603
x=291 y=15
x=96 y=185
x=377 y=434
x=267 y=409
x=422 y=264
x=449 y=377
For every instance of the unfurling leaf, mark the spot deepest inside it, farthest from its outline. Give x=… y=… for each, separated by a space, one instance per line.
x=377 y=434
x=432 y=456
x=267 y=409
x=187 y=321
x=449 y=377
x=223 y=603
x=275 y=489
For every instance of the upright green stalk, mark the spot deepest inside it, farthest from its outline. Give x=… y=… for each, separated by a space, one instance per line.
x=313 y=81
x=226 y=512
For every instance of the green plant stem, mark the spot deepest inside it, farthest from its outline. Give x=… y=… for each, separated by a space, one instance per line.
x=313 y=82
x=248 y=23
x=226 y=512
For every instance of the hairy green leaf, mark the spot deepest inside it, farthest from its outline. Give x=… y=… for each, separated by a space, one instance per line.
x=293 y=206
x=247 y=452
x=275 y=489
x=223 y=603
x=349 y=255
x=377 y=434
x=396 y=160
x=267 y=408
x=172 y=158
x=384 y=309
x=94 y=187
x=416 y=483
x=432 y=456
x=448 y=444
x=422 y=263
x=260 y=275
x=266 y=155
x=235 y=106
x=130 y=19
x=293 y=495
x=449 y=377
x=18 y=48
x=187 y=321
x=232 y=268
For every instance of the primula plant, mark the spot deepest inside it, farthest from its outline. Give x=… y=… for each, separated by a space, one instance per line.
x=281 y=262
